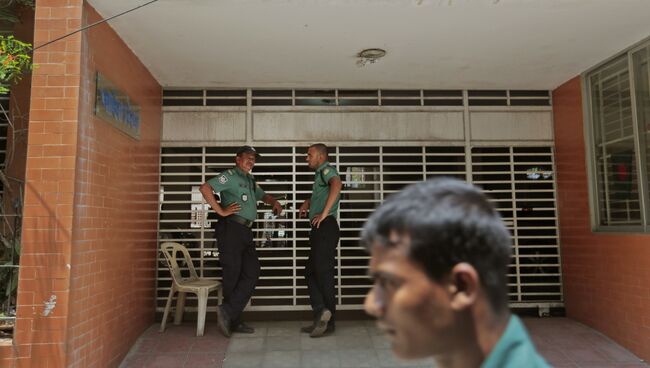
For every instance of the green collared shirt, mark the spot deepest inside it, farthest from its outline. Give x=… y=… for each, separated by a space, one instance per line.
x=321 y=189
x=514 y=349
x=236 y=186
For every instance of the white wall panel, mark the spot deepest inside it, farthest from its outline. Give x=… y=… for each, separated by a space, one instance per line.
x=203 y=126
x=511 y=125
x=354 y=126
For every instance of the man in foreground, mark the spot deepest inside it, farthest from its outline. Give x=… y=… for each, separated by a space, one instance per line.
x=440 y=254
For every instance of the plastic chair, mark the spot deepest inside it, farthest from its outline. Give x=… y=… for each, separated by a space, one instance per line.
x=194 y=284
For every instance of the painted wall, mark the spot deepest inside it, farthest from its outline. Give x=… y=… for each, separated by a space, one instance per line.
x=90 y=220
x=606 y=276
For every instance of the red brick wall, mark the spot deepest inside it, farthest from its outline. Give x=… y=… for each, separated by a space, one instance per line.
x=16 y=145
x=89 y=228
x=39 y=339
x=606 y=276
x=116 y=199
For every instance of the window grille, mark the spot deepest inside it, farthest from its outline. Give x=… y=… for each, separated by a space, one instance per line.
x=619 y=125
x=349 y=97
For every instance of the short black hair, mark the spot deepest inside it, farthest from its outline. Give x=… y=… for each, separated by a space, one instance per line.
x=448 y=221
x=320 y=147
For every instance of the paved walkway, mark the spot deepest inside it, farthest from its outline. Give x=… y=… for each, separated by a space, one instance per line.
x=563 y=342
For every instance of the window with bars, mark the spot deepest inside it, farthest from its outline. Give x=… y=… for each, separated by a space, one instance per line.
x=518 y=179
x=619 y=127
x=326 y=98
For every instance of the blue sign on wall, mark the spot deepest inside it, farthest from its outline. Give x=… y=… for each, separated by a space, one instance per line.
x=115 y=107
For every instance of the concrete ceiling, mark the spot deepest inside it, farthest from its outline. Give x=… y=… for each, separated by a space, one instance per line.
x=438 y=44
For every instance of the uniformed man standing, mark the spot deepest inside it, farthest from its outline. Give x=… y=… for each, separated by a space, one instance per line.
x=324 y=237
x=237 y=211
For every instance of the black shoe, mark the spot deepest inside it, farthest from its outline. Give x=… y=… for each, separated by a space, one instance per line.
x=307 y=329
x=321 y=323
x=243 y=328
x=223 y=321
x=328 y=331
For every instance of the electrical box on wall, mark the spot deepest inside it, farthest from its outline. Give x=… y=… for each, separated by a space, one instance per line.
x=199 y=214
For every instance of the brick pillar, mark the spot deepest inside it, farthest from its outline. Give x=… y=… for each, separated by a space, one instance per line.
x=42 y=311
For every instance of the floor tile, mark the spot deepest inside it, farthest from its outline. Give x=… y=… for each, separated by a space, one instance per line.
x=243 y=360
x=136 y=361
x=179 y=345
x=252 y=344
x=280 y=330
x=319 y=359
x=388 y=360
x=319 y=343
x=616 y=353
x=380 y=342
x=146 y=345
x=260 y=331
x=281 y=359
x=563 y=342
x=353 y=342
x=167 y=360
x=204 y=360
x=586 y=356
x=358 y=358
x=283 y=343
x=209 y=346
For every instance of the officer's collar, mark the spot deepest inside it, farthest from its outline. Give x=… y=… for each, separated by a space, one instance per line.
x=242 y=172
x=321 y=167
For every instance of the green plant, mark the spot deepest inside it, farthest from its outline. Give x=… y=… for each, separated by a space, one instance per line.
x=14 y=60
x=14 y=54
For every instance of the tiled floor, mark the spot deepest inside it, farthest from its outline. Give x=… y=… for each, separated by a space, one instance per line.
x=563 y=342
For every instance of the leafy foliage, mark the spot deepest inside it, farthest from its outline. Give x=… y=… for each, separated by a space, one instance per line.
x=14 y=60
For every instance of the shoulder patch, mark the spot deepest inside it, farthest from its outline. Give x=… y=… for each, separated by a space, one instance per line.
x=326 y=171
x=223 y=179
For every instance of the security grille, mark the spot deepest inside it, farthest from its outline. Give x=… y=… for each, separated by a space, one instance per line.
x=354 y=97
x=520 y=181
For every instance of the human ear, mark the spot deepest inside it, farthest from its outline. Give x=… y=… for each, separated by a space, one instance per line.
x=464 y=286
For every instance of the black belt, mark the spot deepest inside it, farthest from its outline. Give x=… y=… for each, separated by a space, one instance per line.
x=240 y=220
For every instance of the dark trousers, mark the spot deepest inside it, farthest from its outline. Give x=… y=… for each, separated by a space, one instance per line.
x=239 y=264
x=319 y=270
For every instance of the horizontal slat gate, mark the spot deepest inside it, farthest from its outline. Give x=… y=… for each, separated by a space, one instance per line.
x=518 y=179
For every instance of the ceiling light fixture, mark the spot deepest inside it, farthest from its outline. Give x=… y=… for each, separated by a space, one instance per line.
x=369 y=56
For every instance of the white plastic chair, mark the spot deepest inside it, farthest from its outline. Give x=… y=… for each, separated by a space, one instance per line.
x=194 y=284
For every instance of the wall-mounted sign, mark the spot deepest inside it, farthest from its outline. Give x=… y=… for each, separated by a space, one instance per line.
x=116 y=108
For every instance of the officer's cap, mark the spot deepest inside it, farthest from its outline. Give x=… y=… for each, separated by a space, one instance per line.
x=247 y=149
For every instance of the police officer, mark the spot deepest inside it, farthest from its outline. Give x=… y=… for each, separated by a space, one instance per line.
x=237 y=211
x=323 y=237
